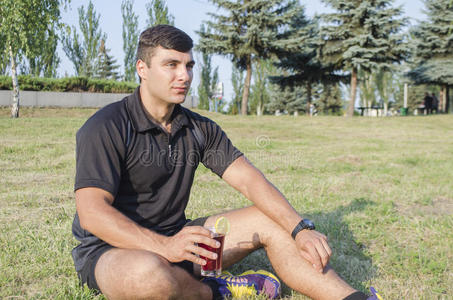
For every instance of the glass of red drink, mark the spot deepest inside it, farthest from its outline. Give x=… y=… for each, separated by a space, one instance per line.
x=213 y=267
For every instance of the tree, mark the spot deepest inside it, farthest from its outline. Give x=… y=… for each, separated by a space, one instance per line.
x=237 y=79
x=434 y=48
x=43 y=59
x=158 y=13
x=304 y=67
x=208 y=79
x=260 y=94
x=106 y=64
x=130 y=39
x=250 y=29
x=367 y=89
x=330 y=100
x=362 y=34
x=20 y=20
x=84 y=54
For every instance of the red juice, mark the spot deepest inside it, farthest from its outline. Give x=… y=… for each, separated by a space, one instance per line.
x=213 y=266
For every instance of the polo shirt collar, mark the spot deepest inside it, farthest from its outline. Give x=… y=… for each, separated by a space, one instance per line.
x=140 y=120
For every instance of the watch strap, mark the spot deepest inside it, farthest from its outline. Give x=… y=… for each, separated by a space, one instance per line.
x=301 y=226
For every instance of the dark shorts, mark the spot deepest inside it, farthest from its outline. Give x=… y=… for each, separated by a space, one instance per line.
x=86 y=275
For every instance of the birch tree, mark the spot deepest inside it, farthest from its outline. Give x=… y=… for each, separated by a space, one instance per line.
x=20 y=20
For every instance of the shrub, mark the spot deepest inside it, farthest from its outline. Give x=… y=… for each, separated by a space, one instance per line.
x=68 y=84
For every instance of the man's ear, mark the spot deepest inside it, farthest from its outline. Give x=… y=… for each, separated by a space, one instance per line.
x=141 y=67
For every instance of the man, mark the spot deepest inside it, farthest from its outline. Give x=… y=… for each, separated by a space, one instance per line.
x=428 y=101
x=136 y=160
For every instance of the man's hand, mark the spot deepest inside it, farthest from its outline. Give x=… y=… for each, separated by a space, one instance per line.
x=182 y=246
x=314 y=248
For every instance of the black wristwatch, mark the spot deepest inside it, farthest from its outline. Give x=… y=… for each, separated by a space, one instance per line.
x=304 y=224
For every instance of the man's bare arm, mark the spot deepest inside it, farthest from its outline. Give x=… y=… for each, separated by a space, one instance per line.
x=98 y=216
x=248 y=180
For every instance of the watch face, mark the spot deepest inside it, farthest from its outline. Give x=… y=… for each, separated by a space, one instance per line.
x=309 y=223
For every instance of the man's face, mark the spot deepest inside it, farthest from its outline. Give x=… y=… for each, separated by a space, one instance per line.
x=169 y=75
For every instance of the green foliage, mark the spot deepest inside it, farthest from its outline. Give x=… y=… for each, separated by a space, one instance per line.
x=107 y=68
x=83 y=54
x=29 y=28
x=362 y=35
x=249 y=30
x=433 y=39
x=260 y=96
x=237 y=80
x=68 y=84
x=208 y=79
x=130 y=39
x=286 y=100
x=157 y=11
x=330 y=101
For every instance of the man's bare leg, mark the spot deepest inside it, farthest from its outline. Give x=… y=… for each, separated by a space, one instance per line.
x=138 y=274
x=251 y=229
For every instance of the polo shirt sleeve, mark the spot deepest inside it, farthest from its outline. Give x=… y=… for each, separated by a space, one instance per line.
x=219 y=151
x=99 y=155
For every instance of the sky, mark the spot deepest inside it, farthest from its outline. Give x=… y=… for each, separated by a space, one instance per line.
x=189 y=15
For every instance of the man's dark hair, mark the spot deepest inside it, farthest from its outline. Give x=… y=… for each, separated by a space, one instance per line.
x=166 y=36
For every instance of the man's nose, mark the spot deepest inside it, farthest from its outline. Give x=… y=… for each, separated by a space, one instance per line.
x=185 y=74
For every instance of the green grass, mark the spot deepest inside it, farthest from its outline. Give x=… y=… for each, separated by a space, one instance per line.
x=381 y=189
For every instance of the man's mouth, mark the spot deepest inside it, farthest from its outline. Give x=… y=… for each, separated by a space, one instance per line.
x=180 y=89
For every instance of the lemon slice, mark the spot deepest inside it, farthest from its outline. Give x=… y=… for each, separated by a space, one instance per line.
x=222 y=226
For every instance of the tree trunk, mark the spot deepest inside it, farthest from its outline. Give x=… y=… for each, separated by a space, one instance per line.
x=245 y=93
x=309 y=112
x=442 y=99
x=353 y=92
x=15 y=105
x=386 y=108
x=447 y=99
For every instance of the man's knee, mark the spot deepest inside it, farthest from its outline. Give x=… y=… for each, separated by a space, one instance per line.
x=139 y=274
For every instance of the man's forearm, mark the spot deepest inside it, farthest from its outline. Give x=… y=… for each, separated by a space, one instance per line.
x=248 y=180
x=107 y=223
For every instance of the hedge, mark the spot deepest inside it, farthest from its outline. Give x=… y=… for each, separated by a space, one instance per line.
x=68 y=84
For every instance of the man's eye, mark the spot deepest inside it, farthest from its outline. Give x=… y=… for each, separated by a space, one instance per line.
x=171 y=64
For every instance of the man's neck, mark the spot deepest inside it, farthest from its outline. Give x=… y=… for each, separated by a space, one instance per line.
x=158 y=111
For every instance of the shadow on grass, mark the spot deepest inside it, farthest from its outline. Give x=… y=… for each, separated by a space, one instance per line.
x=348 y=260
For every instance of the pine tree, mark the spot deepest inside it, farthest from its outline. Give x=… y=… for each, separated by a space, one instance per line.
x=250 y=29
x=84 y=54
x=158 y=13
x=330 y=100
x=362 y=34
x=434 y=48
x=106 y=64
x=130 y=39
x=305 y=67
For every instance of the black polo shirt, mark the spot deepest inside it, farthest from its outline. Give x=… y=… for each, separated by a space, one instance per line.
x=148 y=170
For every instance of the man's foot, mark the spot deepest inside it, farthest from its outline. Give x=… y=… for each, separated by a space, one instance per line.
x=248 y=283
x=374 y=295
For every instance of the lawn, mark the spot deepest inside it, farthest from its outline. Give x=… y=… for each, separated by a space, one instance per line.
x=381 y=189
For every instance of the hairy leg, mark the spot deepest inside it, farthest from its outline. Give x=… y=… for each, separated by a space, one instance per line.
x=251 y=229
x=138 y=274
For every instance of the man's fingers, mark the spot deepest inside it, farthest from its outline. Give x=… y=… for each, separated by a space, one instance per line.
x=195 y=259
x=200 y=239
x=196 y=230
x=327 y=247
x=315 y=258
x=322 y=253
x=202 y=252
